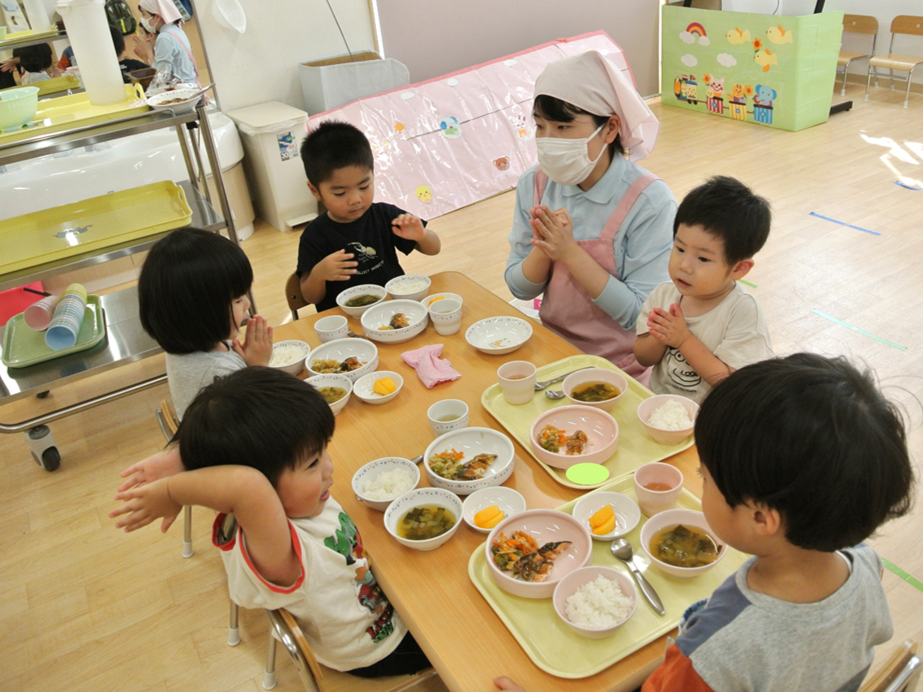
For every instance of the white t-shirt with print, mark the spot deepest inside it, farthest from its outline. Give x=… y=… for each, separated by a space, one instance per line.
x=337 y=602
x=734 y=331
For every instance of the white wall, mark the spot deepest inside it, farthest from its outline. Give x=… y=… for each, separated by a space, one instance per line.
x=262 y=63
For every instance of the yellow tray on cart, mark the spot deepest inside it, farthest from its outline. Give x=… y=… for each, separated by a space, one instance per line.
x=66 y=112
x=92 y=224
x=556 y=648
x=635 y=446
x=31 y=33
x=54 y=85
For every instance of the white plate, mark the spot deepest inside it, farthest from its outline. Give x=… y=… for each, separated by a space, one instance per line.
x=510 y=502
x=381 y=314
x=498 y=335
x=341 y=349
x=157 y=101
x=471 y=442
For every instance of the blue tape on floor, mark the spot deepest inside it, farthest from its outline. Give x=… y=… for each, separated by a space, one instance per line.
x=843 y=223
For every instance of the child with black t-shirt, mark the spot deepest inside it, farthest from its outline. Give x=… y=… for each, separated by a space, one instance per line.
x=356 y=240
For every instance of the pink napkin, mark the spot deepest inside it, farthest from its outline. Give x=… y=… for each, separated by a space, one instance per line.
x=430 y=368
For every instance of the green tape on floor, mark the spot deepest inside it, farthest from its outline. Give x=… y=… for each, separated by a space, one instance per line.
x=910 y=579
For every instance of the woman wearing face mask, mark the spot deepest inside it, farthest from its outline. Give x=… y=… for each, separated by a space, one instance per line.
x=172 y=50
x=592 y=230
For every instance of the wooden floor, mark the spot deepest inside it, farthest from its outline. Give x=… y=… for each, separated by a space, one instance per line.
x=85 y=607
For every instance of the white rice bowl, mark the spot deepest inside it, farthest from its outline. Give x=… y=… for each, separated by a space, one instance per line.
x=381 y=481
x=670 y=415
x=595 y=601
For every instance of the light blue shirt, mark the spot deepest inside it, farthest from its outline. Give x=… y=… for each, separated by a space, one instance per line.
x=170 y=54
x=641 y=246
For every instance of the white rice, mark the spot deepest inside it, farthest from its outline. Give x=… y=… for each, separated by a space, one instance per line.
x=600 y=603
x=404 y=287
x=388 y=485
x=670 y=416
x=287 y=355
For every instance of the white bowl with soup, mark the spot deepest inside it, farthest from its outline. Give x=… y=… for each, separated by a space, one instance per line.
x=351 y=357
x=409 y=286
x=596 y=387
x=424 y=518
x=672 y=549
x=335 y=389
x=356 y=300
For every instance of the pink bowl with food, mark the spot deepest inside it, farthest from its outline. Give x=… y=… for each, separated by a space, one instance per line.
x=600 y=429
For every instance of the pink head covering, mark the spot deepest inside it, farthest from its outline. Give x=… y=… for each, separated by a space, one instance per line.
x=594 y=84
x=165 y=8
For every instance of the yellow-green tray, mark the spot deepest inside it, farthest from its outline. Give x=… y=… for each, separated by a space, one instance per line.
x=66 y=112
x=53 y=86
x=636 y=447
x=556 y=648
x=92 y=224
x=23 y=346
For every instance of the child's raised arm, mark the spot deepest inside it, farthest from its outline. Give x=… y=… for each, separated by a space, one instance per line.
x=411 y=227
x=239 y=489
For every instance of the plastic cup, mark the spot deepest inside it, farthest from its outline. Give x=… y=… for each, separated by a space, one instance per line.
x=657 y=487
x=446 y=316
x=330 y=328
x=38 y=315
x=517 y=381
x=68 y=317
x=447 y=415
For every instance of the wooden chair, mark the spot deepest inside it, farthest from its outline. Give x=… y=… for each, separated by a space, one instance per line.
x=901 y=673
x=283 y=628
x=293 y=295
x=857 y=24
x=169 y=425
x=903 y=25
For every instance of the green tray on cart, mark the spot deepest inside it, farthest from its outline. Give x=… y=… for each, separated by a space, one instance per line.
x=23 y=346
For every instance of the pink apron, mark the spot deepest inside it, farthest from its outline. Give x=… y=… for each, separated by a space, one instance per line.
x=567 y=308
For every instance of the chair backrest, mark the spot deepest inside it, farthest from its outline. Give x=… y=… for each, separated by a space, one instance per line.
x=860 y=24
x=167 y=420
x=293 y=295
x=900 y=673
x=299 y=650
x=907 y=24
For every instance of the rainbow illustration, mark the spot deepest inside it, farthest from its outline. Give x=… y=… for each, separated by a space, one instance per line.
x=696 y=29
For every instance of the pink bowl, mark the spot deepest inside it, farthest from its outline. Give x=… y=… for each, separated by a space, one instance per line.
x=545 y=526
x=600 y=427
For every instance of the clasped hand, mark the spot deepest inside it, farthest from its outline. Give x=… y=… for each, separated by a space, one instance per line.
x=668 y=327
x=256 y=348
x=552 y=231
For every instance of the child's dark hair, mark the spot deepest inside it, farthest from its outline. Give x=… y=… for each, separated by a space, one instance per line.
x=34 y=58
x=813 y=438
x=186 y=287
x=258 y=417
x=333 y=145
x=728 y=209
x=551 y=108
x=118 y=40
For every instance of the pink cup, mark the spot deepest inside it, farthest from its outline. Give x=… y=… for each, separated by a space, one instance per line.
x=668 y=484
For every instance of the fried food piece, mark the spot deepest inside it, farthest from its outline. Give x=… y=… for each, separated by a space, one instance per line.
x=576 y=443
x=474 y=469
x=399 y=321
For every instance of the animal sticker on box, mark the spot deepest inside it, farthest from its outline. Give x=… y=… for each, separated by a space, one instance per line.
x=685 y=89
x=714 y=94
x=778 y=35
x=736 y=37
x=762 y=104
x=764 y=57
x=450 y=127
x=737 y=101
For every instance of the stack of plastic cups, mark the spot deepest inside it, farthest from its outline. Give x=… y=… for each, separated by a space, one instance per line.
x=68 y=317
x=38 y=315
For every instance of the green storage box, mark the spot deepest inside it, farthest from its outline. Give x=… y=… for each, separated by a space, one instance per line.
x=770 y=70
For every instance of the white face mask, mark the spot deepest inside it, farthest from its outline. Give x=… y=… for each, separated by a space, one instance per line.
x=146 y=23
x=566 y=161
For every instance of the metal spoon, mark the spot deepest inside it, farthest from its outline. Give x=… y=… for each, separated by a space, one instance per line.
x=623 y=551
x=554 y=394
x=539 y=386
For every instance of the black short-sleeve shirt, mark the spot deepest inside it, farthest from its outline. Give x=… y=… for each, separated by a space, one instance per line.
x=369 y=238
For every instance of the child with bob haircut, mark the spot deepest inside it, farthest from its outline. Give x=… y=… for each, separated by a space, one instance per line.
x=192 y=295
x=801 y=458
x=703 y=325
x=255 y=443
x=355 y=241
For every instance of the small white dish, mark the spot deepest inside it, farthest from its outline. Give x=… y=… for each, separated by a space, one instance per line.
x=627 y=513
x=373 y=470
x=408 y=287
x=340 y=381
x=509 y=501
x=365 y=387
x=340 y=350
x=185 y=101
x=295 y=367
x=356 y=291
x=498 y=335
x=380 y=315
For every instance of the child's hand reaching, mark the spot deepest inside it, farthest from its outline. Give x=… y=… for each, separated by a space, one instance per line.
x=504 y=683
x=161 y=465
x=408 y=226
x=668 y=327
x=552 y=231
x=144 y=504
x=257 y=346
x=338 y=266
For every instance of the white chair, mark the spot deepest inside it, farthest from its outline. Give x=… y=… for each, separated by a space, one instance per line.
x=285 y=629
x=903 y=25
x=864 y=26
x=901 y=673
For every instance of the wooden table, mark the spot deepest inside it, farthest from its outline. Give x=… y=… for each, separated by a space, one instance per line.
x=462 y=636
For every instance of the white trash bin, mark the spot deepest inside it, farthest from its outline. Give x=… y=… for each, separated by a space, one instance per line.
x=272 y=134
